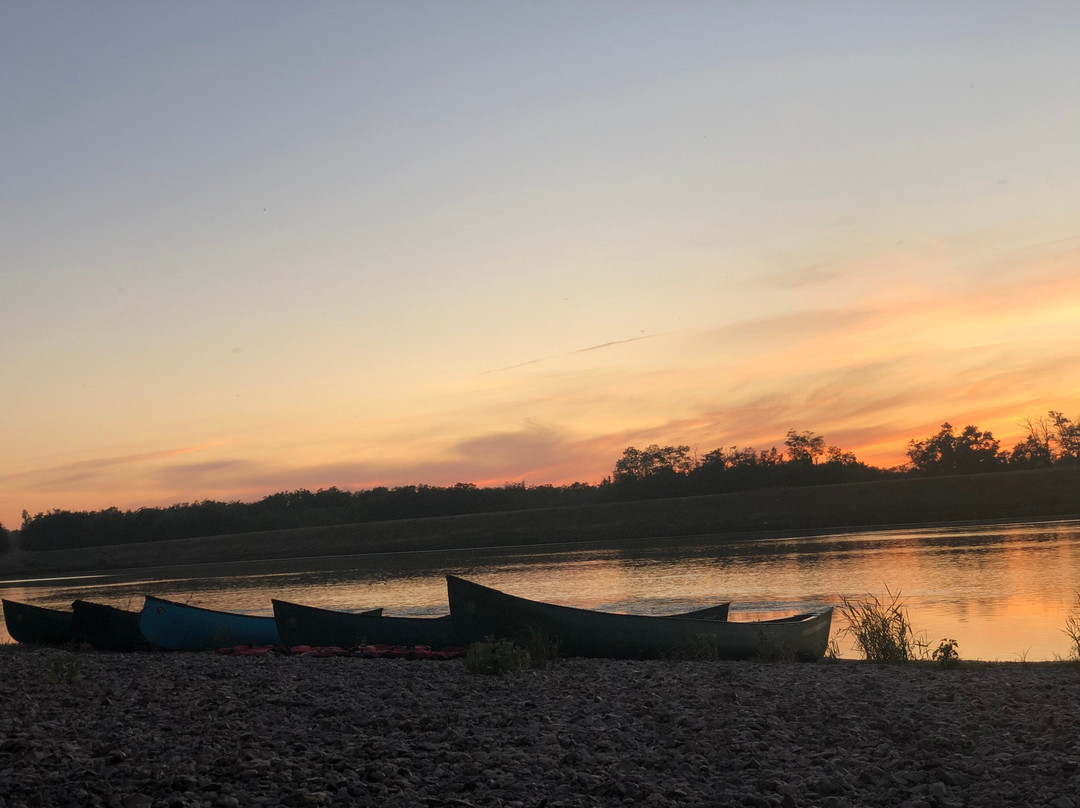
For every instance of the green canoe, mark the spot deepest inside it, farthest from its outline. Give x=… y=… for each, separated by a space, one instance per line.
x=107 y=628
x=27 y=623
x=480 y=612
x=310 y=625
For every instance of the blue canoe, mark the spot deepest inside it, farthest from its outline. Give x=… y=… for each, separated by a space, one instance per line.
x=183 y=627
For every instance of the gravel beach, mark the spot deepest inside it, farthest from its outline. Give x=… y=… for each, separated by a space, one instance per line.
x=165 y=729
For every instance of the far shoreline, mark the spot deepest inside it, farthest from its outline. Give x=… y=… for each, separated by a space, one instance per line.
x=909 y=503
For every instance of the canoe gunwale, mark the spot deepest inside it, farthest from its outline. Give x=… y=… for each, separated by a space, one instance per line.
x=176 y=603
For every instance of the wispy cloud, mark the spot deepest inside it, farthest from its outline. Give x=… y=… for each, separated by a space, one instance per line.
x=617 y=342
x=788 y=328
x=599 y=347
x=84 y=471
x=799 y=278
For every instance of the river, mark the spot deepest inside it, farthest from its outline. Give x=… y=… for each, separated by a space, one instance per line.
x=1003 y=592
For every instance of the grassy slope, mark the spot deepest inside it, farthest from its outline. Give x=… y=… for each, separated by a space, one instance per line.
x=1016 y=495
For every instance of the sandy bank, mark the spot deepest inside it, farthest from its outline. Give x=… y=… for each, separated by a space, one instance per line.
x=203 y=729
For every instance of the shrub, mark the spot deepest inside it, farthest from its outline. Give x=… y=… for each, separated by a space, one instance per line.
x=946 y=654
x=881 y=630
x=496 y=657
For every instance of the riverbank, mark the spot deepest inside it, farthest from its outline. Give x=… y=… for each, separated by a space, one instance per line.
x=1053 y=493
x=165 y=729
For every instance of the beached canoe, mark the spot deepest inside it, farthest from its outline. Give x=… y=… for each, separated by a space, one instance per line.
x=27 y=623
x=183 y=627
x=105 y=627
x=310 y=625
x=480 y=612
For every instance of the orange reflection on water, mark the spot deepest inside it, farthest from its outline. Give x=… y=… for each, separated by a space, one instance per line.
x=1002 y=592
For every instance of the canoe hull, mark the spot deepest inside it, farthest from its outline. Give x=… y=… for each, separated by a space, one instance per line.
x=105 y=627
x=480 y=612
x=183 y=627
x=37 y=625
x=309 y=625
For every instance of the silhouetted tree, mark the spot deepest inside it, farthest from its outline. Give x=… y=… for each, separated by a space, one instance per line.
x=834 y=455
x=947 y=453
x=5 y=540
x=1030 y=453
x=733 y=458
x=770 y=457
x=1035 y=451
x=637 y=465
x=1067 y=436
x=804 y=447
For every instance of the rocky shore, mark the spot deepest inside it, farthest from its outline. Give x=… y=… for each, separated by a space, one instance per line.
x=161 y=729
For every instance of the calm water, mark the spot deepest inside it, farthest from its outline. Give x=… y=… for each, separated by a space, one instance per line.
x=1003 y=592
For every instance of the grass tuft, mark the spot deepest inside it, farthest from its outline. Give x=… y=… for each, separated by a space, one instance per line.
x=881 y=630
x=1072 y=630
x=541 y=647
x=496 y=657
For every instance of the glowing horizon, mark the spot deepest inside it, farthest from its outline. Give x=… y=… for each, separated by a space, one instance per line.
x=376 y=245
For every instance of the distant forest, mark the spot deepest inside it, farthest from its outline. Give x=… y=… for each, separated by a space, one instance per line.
x=651 y=473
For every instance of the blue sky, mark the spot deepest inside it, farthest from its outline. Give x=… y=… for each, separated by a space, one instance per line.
x=251 y=247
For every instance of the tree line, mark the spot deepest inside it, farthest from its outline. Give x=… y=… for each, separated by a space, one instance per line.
x=649 y=473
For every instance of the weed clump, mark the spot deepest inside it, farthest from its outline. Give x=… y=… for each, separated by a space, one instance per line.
x=496 y=657
x=770 y=650
x=1072 y=630
x=540 y=646
x=881 y=631
x=700 y=647
x=65 y=669
x=946 y=654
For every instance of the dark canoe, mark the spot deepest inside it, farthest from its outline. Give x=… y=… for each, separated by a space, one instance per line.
x=105 y=627
x=183 y=627
x=27 y=623
x=309 y=625
x=480 y=612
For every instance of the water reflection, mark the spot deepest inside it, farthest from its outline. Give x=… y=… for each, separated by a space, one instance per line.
x=1002 y=591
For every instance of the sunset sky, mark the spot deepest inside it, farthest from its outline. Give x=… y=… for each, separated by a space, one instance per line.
x=251 y=247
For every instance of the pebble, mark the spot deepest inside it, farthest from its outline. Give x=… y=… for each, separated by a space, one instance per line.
x=182 y=730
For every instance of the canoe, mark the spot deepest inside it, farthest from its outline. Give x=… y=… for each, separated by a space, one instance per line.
x=480 y=612
x=183 y=627
x=107 y=628
x=27 y=623
x=310 y=625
